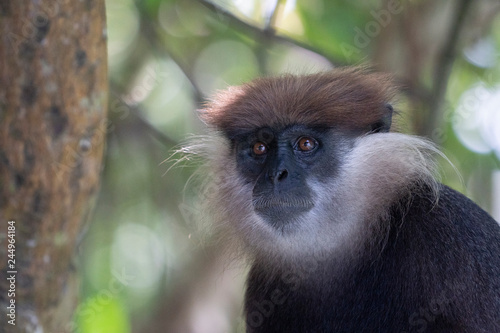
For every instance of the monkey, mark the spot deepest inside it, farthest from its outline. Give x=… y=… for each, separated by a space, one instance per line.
x=344 y=221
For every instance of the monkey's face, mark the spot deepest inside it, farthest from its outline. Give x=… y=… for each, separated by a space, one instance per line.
x=281 y=165
x=292 y=154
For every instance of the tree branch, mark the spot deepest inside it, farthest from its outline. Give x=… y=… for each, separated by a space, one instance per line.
x=242 y=25
x=444 y=66
x=153 y=37
x=116 y=91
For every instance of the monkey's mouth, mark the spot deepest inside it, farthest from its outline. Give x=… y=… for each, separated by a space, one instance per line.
x=265 y=202
x=281 y=210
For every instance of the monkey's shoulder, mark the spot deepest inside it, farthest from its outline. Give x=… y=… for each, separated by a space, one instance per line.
x=448 y=212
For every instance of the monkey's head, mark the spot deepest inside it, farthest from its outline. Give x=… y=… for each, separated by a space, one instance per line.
x=301 y=162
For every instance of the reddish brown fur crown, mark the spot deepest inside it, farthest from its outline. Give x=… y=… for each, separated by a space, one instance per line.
x=349 y=98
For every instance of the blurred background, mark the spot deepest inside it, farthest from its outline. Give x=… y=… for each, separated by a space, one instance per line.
x=147 y=266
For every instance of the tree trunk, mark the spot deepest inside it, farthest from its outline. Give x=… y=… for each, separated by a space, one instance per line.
x=53 y=101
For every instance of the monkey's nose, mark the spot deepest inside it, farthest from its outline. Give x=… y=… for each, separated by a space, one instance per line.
x=278 y=176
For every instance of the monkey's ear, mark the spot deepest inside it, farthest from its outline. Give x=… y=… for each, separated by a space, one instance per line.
x=384 y=124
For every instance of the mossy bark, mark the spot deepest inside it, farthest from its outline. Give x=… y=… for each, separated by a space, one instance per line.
x=53 y=101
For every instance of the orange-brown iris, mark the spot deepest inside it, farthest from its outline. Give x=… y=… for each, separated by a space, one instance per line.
x=259 y=148
x=306 y=144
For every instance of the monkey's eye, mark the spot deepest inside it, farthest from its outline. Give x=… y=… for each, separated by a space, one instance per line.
x=259 y=148
x=306 y=143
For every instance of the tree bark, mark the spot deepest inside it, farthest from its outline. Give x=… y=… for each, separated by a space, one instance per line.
x=53 y=102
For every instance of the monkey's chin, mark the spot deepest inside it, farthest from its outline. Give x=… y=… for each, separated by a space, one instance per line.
x=282 y=216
